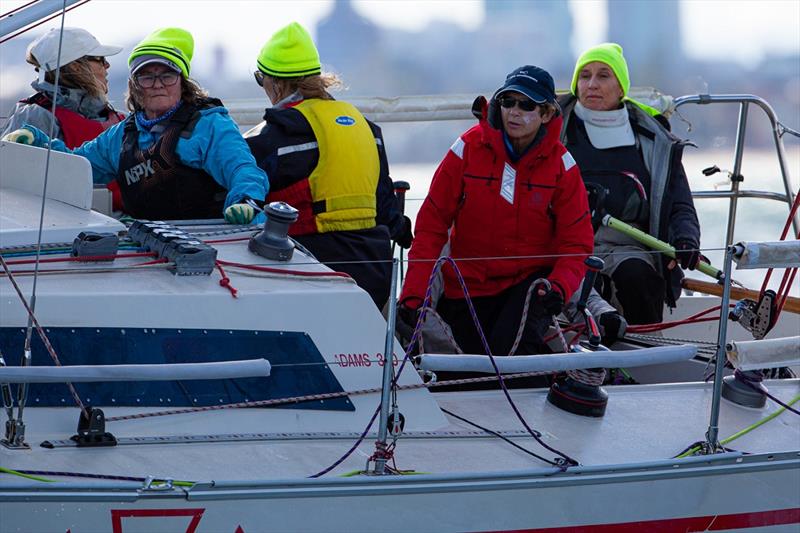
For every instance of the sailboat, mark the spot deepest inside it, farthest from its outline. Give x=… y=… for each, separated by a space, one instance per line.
x=192 y=376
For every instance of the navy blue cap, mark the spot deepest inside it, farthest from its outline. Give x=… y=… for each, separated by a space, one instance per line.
x=534 y=82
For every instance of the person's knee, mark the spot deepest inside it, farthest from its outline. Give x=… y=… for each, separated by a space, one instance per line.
x=636 y=275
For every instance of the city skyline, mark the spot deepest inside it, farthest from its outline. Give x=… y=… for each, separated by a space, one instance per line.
x=743 y=31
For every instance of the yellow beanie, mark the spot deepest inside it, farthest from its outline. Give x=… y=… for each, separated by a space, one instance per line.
x=611 y=55
x=289 y=53
x=173 y=47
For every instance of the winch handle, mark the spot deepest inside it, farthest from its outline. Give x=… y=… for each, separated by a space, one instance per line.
x=593 y=266
x=400 y=188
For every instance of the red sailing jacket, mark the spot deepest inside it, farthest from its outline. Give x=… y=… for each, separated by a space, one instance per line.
x=539 y=209
x=77 y=129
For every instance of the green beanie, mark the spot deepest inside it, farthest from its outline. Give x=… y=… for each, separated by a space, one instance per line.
x=611 y=55
x=289 y=53
x=169 y=46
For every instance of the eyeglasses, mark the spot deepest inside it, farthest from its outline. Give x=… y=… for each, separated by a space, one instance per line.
x=147 y=81
x=259 y=76
x=97 y=59
x=508 y=102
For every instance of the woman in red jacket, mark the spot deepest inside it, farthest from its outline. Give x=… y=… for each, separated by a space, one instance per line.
x=507 y=191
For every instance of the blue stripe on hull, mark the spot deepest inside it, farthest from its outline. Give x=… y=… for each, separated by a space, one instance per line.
x=298 y=367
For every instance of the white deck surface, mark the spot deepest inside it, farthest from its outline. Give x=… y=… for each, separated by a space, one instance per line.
x=643 y=423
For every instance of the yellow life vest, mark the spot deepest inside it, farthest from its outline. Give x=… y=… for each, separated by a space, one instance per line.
x=344 y=183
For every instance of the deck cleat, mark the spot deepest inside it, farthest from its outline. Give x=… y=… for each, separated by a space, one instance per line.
x=92 y=430
x=90 y=244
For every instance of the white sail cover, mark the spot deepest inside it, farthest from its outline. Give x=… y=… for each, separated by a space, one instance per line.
x=159 y=372
x=776 y=254
x=764 y=353
x=557 y=362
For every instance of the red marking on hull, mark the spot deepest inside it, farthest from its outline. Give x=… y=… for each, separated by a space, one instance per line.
x=696 y=523
x=118 y=514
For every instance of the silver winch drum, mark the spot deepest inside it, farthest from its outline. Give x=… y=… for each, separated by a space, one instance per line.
x=273 y=241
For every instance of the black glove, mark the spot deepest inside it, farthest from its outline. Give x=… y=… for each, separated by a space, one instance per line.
x=406 y=236
x=687 y=254
x=613 y=327
x=405 y=323
x=546 y=301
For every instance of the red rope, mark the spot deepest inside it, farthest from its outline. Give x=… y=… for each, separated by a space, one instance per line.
x=648 y=328
x=284 y=271
x=225 y=281
x=84 y=259
x=784 y=233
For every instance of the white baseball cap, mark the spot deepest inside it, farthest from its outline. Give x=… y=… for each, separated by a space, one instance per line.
x=75 y=44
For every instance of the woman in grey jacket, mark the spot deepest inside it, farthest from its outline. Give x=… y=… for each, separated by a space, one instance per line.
x=628 y=156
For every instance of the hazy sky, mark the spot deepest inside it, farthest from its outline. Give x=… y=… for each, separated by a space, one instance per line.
x=742 y=30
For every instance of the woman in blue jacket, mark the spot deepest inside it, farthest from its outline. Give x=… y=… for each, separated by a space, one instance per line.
x=179 y=155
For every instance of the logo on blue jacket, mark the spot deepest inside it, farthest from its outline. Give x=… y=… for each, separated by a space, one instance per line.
x=344 y=120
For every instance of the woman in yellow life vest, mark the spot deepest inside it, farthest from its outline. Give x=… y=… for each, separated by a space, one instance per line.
x=328 y=161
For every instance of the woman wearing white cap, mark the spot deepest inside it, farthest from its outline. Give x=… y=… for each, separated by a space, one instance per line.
x=82 y=110
x=626 y=151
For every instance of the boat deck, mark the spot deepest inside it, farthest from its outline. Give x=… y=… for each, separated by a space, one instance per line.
x=643 y=423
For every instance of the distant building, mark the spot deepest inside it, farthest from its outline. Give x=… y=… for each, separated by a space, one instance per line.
x=350 y=45
x=650 y=35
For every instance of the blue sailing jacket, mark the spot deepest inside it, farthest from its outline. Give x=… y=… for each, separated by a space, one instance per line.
x=215 y=146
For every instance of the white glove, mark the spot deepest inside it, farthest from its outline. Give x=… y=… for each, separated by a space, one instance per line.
x=21 y=136
x=239 y=214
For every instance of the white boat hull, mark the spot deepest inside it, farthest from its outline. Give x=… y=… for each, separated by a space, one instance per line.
x=729 y=492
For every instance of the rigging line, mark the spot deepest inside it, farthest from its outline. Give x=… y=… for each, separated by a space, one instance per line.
x=112 y=477
x=694 y=449
x=42 y=334
x=792 y=210
x=18 y=8
x=496 y=434
x=27 y=359
x=158 y=264
x=513 y=405
x=315 y=397
x=82 y=259
x=29 y=28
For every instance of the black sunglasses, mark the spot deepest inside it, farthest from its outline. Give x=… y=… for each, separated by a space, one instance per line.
x=259 y=76
x=508 y=102
x=98 y=59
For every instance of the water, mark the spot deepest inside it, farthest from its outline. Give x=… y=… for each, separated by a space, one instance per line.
x=757 y=219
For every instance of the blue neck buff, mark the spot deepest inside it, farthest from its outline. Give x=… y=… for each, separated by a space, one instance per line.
x=512 y=154
x=149 y=123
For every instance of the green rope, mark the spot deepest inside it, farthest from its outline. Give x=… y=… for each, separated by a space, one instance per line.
x=27 y=476
x=745 y=431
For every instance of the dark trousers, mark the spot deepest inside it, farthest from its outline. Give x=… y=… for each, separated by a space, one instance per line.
x=499 y=316
x=365 y=255
x=640 y=291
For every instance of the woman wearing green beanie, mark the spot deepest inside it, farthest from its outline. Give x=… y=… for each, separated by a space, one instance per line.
x=631 y=164
x=328 y=161
x=178 y=155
